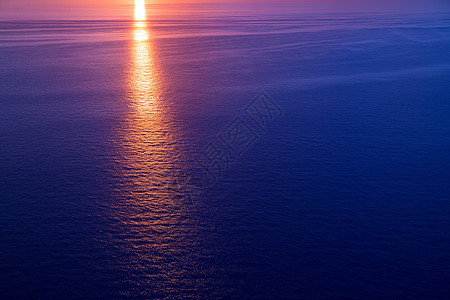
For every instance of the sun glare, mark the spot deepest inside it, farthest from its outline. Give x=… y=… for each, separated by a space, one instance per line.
x=139 y=10
x=140 y=17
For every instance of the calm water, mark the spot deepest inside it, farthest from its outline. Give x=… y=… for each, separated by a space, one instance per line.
x=346 y=195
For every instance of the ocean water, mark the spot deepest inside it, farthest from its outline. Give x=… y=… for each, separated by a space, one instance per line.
x=344 y=192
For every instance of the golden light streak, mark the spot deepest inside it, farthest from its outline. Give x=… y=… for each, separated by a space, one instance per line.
x=148 y=146
x=149 y=150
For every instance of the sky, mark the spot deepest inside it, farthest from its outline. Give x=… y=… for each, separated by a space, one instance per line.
x=131 y=2
x=57 y=9
x=105 y=2
x=12 y=9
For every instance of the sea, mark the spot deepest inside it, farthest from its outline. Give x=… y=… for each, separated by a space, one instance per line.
x=225 y=151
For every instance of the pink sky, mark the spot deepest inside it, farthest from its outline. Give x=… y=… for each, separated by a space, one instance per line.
x=107 y=2
x=27 y=8
x=131 y=2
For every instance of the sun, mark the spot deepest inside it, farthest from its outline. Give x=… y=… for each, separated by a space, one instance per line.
x=139 y=10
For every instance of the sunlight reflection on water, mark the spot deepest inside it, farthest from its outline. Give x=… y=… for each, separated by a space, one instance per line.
x=150 y=226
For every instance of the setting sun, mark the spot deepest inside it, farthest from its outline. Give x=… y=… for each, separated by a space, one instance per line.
x=139 y=10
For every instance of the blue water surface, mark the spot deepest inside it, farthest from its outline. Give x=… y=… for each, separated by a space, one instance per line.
x=344 y=195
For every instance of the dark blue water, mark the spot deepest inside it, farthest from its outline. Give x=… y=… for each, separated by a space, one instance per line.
x=345 y=195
